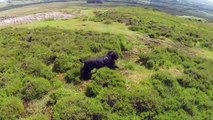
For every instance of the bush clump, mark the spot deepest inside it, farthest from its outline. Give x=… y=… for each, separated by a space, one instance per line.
x=160 y=57
x=73 y=76
x=35 y=67
x=35 y=88
x=106 y=77
x=11 y=108
x=37 y=117
x=77 y=107
x=134 y=28
x=95 y=47
x=93 y=89
x=63 y=63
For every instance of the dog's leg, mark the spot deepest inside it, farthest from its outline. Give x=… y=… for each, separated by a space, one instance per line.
x=87 y=74
x=82 y=73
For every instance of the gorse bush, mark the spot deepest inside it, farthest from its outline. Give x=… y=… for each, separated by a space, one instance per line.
x=165 y=84
x=11 y=108
x=35 y=88
x=60 y=93
x=77 y=107
x=161 y=57
x=116 y=102
x=35 y=67
x=93 y=89
x=146 y=104
x=73 y=76
x=63 y=63
x=104 y=78
x=37 y=117
x=95 y=48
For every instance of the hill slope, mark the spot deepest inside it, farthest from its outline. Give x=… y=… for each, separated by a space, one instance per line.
x=165 y=66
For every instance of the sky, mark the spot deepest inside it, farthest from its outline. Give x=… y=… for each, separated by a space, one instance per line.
x=210 y=0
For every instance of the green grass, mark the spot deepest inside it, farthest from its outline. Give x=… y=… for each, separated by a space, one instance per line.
x=156 y=24
x=208 y=54
x=77 y=24
x=3 y=5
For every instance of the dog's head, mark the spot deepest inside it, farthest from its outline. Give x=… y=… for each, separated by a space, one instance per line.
x=113 y=55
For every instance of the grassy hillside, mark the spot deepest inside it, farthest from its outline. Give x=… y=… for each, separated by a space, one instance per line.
x=165 y=67
x=3 y=5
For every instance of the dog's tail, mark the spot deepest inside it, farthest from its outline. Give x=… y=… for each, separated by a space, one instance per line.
x=82 y=61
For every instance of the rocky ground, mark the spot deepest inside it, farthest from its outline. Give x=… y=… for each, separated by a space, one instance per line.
x=7 y=20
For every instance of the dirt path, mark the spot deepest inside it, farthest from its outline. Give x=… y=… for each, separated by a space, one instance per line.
x=34 y=17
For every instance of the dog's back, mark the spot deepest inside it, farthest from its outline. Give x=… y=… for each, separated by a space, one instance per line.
x=97 y=63
x=108 y=61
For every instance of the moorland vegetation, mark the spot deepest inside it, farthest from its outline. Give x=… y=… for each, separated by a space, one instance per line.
x=40 y=69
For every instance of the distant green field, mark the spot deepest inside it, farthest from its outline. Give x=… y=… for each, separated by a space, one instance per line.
x=76 y=24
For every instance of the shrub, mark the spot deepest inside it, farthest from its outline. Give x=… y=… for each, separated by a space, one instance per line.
x=60 y=93
x=160 y=57
x=125 y=45
x=187 y=100
x=35 y=88
x=35 y=67
x=129 y=65
x=13 y=87
x=152 y=35
x=178 y=114
x=73 y=76
x=171 y=103
x=185 y=81
x=4 y=78
x=148 y=61
x=11 y=108
x=77 y=107
x=93 y=89
x=150 y=64
x=95 y=47
x=107 y=22
x=165 y=78
x=146 y=101
x=165 y=84
x=134 y=28
x=116 y=101
x=42 y=52
x=55 y=83
x=198 y=78
x=106 y=77
x=36 y=117
x=64 y=63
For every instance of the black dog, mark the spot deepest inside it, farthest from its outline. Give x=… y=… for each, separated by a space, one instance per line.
x=105 y=61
